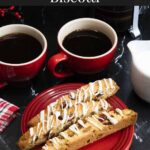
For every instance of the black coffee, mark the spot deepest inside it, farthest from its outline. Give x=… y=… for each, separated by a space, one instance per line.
x=19 y=48
x=87 y=43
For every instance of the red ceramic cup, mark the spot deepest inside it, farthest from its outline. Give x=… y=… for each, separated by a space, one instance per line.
x=80 y=64
x=23 y=71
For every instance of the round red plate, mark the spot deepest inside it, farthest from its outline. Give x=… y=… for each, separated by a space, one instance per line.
x=118 y=141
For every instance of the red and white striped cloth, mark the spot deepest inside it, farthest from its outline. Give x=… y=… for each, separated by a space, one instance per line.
x=7 y=113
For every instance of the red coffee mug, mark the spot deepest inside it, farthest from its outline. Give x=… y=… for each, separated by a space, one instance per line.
x=80 y=64
x=23 y=71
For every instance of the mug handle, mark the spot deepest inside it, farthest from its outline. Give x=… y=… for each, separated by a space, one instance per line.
x=54 y=61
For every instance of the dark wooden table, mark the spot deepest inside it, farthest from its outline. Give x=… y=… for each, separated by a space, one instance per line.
x=49 y=20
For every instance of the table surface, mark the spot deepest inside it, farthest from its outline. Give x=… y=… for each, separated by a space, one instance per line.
x=49 y=20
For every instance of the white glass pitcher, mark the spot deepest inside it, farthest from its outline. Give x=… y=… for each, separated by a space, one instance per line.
x=140 y=67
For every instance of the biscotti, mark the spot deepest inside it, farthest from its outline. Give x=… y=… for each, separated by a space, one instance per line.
x=91 y=129
x=59 y=121
x=101 y=89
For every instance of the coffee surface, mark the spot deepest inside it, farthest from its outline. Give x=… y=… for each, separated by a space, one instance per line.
x=87 y=43
x=19 y=48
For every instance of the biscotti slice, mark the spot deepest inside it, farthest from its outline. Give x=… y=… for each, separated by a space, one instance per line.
x=91 y=129
x=101 y=89
x=59 y=121
x=52 y=125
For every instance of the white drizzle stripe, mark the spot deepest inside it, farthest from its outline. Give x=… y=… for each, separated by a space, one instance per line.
x=79 y=96
x=42 y=116
x=84 y=95
x=93 y=104
x=72 y=95
x=99 y=90
x=65 y=116
x=106 y=83
x=96 y=110
x=31 y=131
x=57 y=114
x=43 y=126
x=70 y=103
x=48 y=110
x=84 y=108
x=105 y=104
x=48 y=122
x=111 y=83
x=39 y=133
x=55 y=142
x=63 y=101
x=90 y=94
x=67 y=105
x=82 y=123
x=99 y=118
x=74 y=129
x=91 y=87
x=37 y=129
x=102 y=103
x=64 y=135
x=52 y=105
x=95 y=118
x=75 y=111
x=51 y=122
x=94 y=122
x=119 y=111
x=34 y=138
x=112 y=120
x=45 y=147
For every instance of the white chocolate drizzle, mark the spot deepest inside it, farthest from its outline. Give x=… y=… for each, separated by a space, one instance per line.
x=94 y=121
x=111 y=119
x=69 y=103
x=104 y=104
x=119 y=111
x=42 y=115
x=111 y=83
x=64 y=135
x=79 y=96
x=31 y=131
x=74 y=129
x=85 y=95
x=51 y=121
x=98 y=118
x=90 y=95
x=81 y=123
x=64 y=103
x=45 y=147
x=39 y=130
x=91 y=87
x=55 y=142
x=72 y=95
x=48 y=110
x=32 y=134
x=84 y=108
x=65 y=116
x=96 y=110
x=106 y=83
x=100 y=88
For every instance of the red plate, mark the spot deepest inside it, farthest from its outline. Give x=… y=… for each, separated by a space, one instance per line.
x=118 y=141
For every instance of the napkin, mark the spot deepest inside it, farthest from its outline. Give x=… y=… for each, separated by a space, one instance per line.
x=7 y=113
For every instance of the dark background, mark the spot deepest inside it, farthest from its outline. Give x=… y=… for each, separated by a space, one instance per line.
x=49 y=20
